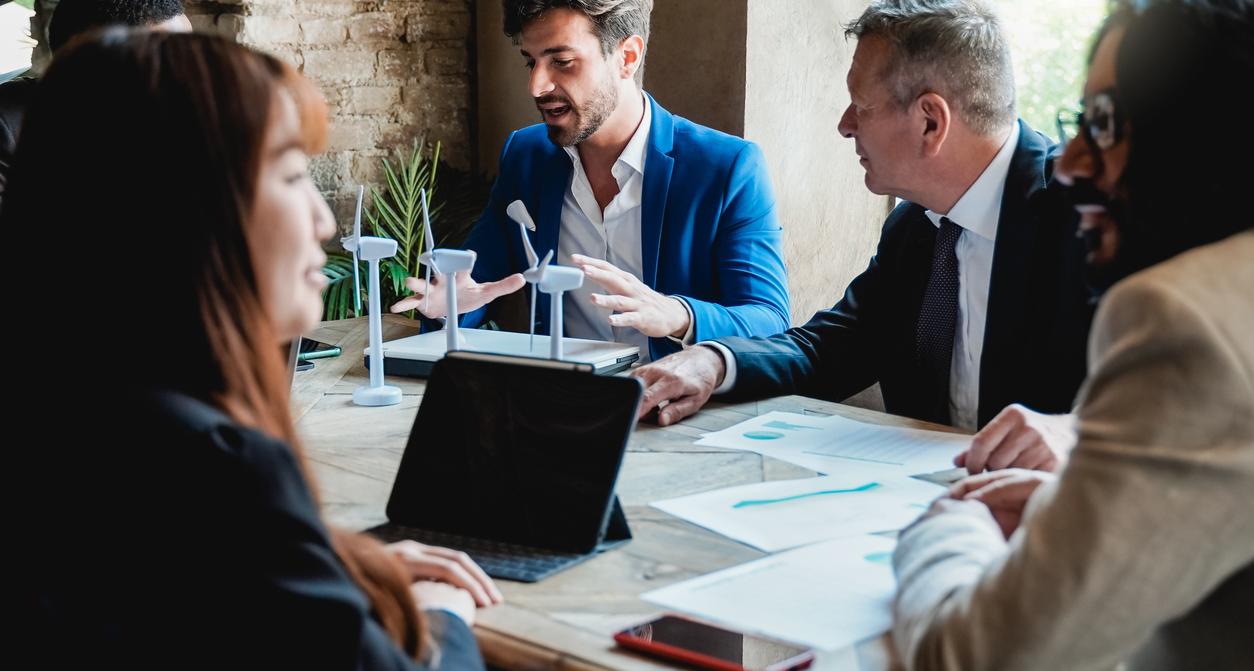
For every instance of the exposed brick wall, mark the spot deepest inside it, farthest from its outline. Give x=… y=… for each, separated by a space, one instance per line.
x=391 y=70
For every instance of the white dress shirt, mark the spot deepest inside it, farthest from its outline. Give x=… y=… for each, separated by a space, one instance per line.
x=977 y=213
x=613 y=235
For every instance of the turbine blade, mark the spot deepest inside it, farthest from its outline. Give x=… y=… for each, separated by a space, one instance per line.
x=518 y=212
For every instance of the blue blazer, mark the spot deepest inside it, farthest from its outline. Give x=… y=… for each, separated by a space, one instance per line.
x=710 y=231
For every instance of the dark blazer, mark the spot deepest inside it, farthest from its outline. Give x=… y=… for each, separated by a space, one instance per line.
x=15 y=96
x=180 y=539
x=709 y=232
x=1035 y=330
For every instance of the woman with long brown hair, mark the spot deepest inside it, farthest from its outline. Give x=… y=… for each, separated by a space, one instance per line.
x=162 y=185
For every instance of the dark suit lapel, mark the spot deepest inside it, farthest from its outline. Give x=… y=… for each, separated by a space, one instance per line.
x=554 y=180
x=1009 y=286
x=657 y=181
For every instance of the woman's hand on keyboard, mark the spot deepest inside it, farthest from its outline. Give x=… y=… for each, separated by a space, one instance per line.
x=429 y=562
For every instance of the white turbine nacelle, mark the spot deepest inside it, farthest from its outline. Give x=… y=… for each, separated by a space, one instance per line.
x=375 y=249
x=536 y=273
x=561 y=278
x=449 y=261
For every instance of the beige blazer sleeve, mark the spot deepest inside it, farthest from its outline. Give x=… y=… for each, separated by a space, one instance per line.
x=1154 y=510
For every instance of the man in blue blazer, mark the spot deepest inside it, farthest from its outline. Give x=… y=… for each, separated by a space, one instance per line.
x=975 y=298
x=672 y=223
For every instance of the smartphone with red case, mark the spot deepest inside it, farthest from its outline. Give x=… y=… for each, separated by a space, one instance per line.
x=707 y=646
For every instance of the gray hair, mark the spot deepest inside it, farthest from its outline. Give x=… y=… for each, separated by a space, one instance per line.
x=954 y=48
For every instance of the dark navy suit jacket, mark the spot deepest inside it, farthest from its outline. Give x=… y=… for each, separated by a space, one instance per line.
x=1036 y=329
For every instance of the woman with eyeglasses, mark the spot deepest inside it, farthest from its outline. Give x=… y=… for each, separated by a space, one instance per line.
x=161 y=192
x=1140 y=553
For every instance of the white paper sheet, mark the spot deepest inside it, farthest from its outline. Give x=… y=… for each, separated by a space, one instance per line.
x=828 y=595
x=783 y=514
x=831 y=444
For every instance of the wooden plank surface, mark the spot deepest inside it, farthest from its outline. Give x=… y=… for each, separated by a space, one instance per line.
x=566 y=621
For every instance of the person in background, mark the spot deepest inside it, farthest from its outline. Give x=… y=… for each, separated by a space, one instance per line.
x=70 y=19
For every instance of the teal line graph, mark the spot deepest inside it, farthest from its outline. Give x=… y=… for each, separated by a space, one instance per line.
x=776 y=435
x=762 y=502
x=788 y=426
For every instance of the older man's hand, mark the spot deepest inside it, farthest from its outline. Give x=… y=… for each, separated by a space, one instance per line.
x=679 y=384
x=1020 y=438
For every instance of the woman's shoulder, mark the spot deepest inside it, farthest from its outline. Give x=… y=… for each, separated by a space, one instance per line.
x=195 y=443
x=176 y=415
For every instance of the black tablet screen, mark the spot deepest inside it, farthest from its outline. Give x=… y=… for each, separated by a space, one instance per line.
x=515 y=453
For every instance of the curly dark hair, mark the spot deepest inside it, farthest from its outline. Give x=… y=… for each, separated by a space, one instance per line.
x=612 y=20
x=74 y=17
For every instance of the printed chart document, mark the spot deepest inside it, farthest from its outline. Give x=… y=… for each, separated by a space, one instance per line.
x=828 y=596
x=784 y=514
x=831 y=444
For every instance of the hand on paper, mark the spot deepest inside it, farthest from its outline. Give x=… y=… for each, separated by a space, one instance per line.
x=1020 y=438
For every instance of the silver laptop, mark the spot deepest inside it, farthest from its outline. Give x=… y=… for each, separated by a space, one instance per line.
x=414 y=356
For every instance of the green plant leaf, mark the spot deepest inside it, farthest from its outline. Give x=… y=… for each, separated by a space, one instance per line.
x=394 y=210
x=337 y=298
x=396 y=274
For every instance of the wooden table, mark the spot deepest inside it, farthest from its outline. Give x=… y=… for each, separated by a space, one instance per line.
x=564 y=622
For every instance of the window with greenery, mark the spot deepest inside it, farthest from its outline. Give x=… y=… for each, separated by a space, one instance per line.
x=1049 y=42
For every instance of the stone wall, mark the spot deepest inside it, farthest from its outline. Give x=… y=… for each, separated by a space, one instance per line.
x=392 y=71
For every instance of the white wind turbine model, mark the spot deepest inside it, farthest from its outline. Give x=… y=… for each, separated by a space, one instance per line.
x=446 y=262
x=372 y=250
x=518 y=212
x=551 y=279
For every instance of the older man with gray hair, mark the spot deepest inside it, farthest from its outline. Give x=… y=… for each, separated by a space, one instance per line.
x=974 y=299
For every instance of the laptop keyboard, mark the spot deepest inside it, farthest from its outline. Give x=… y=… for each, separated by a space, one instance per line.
x=500 y=560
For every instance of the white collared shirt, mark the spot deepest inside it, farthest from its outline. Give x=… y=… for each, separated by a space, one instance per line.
x=613 y=235
x=977 y=212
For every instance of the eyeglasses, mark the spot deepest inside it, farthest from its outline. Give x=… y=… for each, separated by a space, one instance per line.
x=1100 y=122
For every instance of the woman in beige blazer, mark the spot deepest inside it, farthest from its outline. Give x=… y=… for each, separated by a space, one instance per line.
x=1141 y=552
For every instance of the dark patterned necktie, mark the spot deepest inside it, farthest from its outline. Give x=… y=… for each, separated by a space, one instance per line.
x=934 y=338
